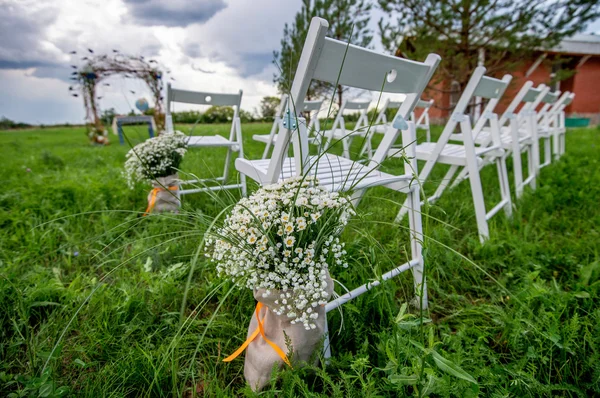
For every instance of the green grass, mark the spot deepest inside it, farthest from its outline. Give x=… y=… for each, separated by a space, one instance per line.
x=90 y=291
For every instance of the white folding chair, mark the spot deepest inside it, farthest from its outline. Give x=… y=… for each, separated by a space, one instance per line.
x=560 y=130
x=422 y=122
x=268 y=138
x=380 y=124
x=310 y=107
x=336 y=62
x=233 y=143
x=518 y=133
x=545 y=120
x=338 y=130
x=468 y=156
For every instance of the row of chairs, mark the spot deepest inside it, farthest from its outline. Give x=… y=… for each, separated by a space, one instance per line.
x=486 y=140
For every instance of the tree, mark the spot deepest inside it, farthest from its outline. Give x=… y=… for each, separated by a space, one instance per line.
x=348 y=20
x=268 y=107
x=107 y=116
x=504 y=32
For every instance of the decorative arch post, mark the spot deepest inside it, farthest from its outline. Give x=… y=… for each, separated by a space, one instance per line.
x=100 y=67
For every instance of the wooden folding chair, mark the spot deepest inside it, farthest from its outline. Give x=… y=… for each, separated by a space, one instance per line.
x=310 y=107
x=336 y=62
x=468 y=156
x=233 y=143
x=339 y=132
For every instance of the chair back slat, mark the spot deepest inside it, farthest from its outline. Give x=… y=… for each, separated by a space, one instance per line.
x=203 y=98
x=367 y=69
x=334 y=61
x=310 y=106
x=489 y=87
x=424 y=104
x=492 y=103
x=551 y=97
x=533 y=93
x=357 y=105
x=569 y=99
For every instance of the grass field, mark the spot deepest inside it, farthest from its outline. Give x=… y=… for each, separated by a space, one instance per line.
x=91 y=292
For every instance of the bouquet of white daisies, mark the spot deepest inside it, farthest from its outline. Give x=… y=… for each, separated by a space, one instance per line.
x=282 y=241
x=156 y=157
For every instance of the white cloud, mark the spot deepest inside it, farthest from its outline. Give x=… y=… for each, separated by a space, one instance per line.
x=235 y=42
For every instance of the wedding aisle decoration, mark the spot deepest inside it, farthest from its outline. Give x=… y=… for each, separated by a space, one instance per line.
x=281 y=242
x=157 y=160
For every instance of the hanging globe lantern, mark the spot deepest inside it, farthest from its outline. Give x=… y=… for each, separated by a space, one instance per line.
x=142 y=105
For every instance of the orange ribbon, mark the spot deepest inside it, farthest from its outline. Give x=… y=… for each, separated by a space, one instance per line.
x=153 y=194
x=249 y=340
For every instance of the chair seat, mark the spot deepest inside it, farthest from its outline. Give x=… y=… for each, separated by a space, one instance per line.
x=335 y=173
x=264 y=138
x=209 y=140
x=451 y=153
x=339 y=134
x=484 y=136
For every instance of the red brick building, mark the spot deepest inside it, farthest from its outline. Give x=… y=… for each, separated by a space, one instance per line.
x=582 y=55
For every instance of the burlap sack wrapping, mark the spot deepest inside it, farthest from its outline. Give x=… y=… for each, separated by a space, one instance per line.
x=165 y=199
x=261 y=358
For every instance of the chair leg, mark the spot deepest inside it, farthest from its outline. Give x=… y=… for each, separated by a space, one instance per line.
x=444 y=183
x=346 y=146
x=226 y=169
x=463 y=175
x=504 y=187
x=416 y=236
x=517 y=164
x=326 y=343
x=547 y=151
x=475 y=181
x=556 y=145
x=531 y=166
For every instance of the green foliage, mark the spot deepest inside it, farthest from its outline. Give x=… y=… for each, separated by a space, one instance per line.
x=107 y=116
x=509 y=31
x=214 y=114
x=268 y=107
x=521 y=317
x=348 y=22
x=7 y=124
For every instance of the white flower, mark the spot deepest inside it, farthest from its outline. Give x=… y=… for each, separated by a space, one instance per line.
x=283 y=239
x=156 y=157
x=289 y=241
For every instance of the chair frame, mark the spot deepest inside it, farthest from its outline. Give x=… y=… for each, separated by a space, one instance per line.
x=233 y=144
x=314 y=126
x=468 y=156
x=336 y=62
x=559 y=124
x=380 y=124
x=338 y=129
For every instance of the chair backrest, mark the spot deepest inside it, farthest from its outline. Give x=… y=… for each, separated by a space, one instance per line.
x=200 y=98
x=340 y=63
x=313 y=108
x=526 y=95
x=423 y=120
x=482 y=86
x=339 y=122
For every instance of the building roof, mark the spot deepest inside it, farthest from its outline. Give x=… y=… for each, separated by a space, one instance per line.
x=582 y=44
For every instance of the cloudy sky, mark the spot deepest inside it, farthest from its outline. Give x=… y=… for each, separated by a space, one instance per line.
x=234 y=39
